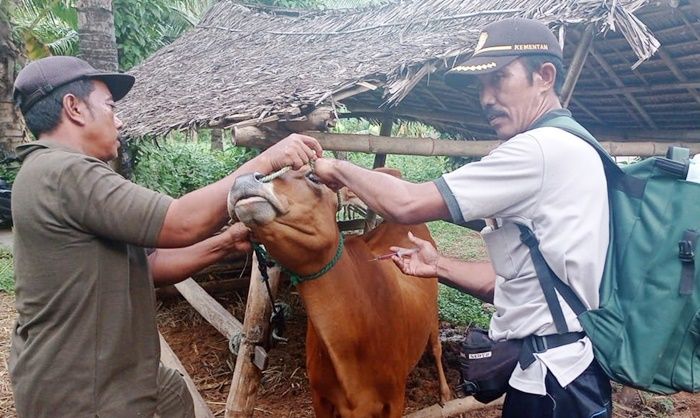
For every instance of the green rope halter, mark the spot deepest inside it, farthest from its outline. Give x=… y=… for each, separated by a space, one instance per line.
x=297 y=279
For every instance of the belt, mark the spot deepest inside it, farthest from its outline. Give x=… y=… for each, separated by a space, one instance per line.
x=541 y=343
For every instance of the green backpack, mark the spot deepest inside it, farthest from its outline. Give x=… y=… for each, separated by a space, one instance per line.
x=646 y=332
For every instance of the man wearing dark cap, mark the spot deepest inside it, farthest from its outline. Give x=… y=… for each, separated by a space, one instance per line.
x=86 y=343
x=542 y=177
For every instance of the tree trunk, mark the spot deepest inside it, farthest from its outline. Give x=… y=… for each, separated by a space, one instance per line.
x=11 y=126
x=98 y=46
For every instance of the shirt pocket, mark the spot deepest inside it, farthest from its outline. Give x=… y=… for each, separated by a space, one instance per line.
x=509 y=256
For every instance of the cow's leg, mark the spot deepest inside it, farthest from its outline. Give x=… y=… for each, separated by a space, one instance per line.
x=436 y=348
x=323 y=408
x=371 y=407
x=322 y=378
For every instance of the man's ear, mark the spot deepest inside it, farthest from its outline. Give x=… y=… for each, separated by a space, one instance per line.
x=548 y=75
x=75 y=109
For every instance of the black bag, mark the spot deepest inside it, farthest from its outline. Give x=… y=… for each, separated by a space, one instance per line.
x=486 y=365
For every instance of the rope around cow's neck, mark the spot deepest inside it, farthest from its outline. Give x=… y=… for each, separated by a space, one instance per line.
x=296 y=278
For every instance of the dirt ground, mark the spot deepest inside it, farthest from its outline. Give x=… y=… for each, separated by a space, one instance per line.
x=284 y=390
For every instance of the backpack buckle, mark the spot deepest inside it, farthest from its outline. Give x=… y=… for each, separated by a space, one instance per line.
x=686 y=252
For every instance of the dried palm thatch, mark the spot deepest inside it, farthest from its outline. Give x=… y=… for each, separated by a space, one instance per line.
x=248 y=65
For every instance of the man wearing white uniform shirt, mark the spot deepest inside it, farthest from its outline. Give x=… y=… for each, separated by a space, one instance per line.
x=542 y=177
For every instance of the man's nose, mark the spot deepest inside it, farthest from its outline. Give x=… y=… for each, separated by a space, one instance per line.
x=118 y=122
x=486 y=97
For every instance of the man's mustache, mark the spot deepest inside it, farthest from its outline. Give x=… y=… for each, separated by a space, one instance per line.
x=492 y=113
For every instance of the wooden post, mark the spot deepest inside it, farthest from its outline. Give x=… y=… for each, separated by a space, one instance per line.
x=379 y=161
x=384 y=130
x=169 y=359
x=453 y=408
x=576 y=66
x=246 y=376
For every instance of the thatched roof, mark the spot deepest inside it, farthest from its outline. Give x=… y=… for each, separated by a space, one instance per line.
x=245 y=63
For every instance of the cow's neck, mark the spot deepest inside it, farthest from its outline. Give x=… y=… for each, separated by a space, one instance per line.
x=297 y=279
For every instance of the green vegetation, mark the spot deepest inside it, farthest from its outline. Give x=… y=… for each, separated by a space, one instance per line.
x=460 y=308
x=457 y=307
x=50 y=27
x=413 y=167
x=177 y=167
x=7 y=272
x=8 y=170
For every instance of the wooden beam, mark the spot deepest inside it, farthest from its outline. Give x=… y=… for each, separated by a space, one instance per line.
x=169 y=359
x=587 y=110
x=618 y=82
x=453 y=408
x=677 y=72
x=577 y=65
x=686 y=85
x=246 y=376
x=210 y=309
x=462 y=118
x=639 y=135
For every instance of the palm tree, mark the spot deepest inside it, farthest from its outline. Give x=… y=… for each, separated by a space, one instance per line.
x=97 y=42
x=11 y=129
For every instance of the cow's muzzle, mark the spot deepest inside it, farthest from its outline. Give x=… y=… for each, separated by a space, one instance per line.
x=253 y=202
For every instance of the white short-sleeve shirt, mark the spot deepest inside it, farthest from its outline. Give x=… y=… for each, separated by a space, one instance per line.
x=553 y=182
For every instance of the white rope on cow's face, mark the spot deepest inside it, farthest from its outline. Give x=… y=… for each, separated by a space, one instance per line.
x=268 y=178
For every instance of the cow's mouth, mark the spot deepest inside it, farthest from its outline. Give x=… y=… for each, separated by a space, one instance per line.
x=254 y=202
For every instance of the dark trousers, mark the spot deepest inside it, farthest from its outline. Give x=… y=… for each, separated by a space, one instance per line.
x=589 y=396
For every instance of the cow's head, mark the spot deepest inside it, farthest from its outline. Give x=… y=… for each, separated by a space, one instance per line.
x=292 y=215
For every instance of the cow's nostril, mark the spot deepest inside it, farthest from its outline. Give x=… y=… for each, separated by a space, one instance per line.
x=258 y=176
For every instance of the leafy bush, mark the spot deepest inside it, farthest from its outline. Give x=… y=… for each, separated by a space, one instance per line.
x=176 y=168
x=8 y=170
x=459 y=308
x=7 y=271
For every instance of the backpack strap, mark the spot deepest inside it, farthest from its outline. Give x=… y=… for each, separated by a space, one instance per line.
x=617 y=178
x=686 y=253
x=545 y=277
x=548 y=282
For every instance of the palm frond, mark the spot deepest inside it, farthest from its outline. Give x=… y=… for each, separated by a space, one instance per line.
x=65 y=45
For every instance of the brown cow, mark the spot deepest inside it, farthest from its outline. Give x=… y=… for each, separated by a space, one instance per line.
x=368 y=323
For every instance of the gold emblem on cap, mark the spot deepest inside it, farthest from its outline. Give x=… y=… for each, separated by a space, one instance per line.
x=478 y=67
x=482 y=40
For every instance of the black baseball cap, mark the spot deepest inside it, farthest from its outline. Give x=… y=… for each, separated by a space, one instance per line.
x=501 y=43
x=41 y=77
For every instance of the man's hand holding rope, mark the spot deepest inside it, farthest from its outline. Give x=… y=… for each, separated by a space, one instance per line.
x=294 y=151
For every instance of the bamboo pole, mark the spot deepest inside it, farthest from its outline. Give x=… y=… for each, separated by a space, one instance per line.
x=246 y=376
x=428 y=146
x=576 y=66
x=453 y=407
x=169 y=359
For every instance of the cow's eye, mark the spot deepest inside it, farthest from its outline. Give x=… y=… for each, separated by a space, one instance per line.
x=312 y=177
